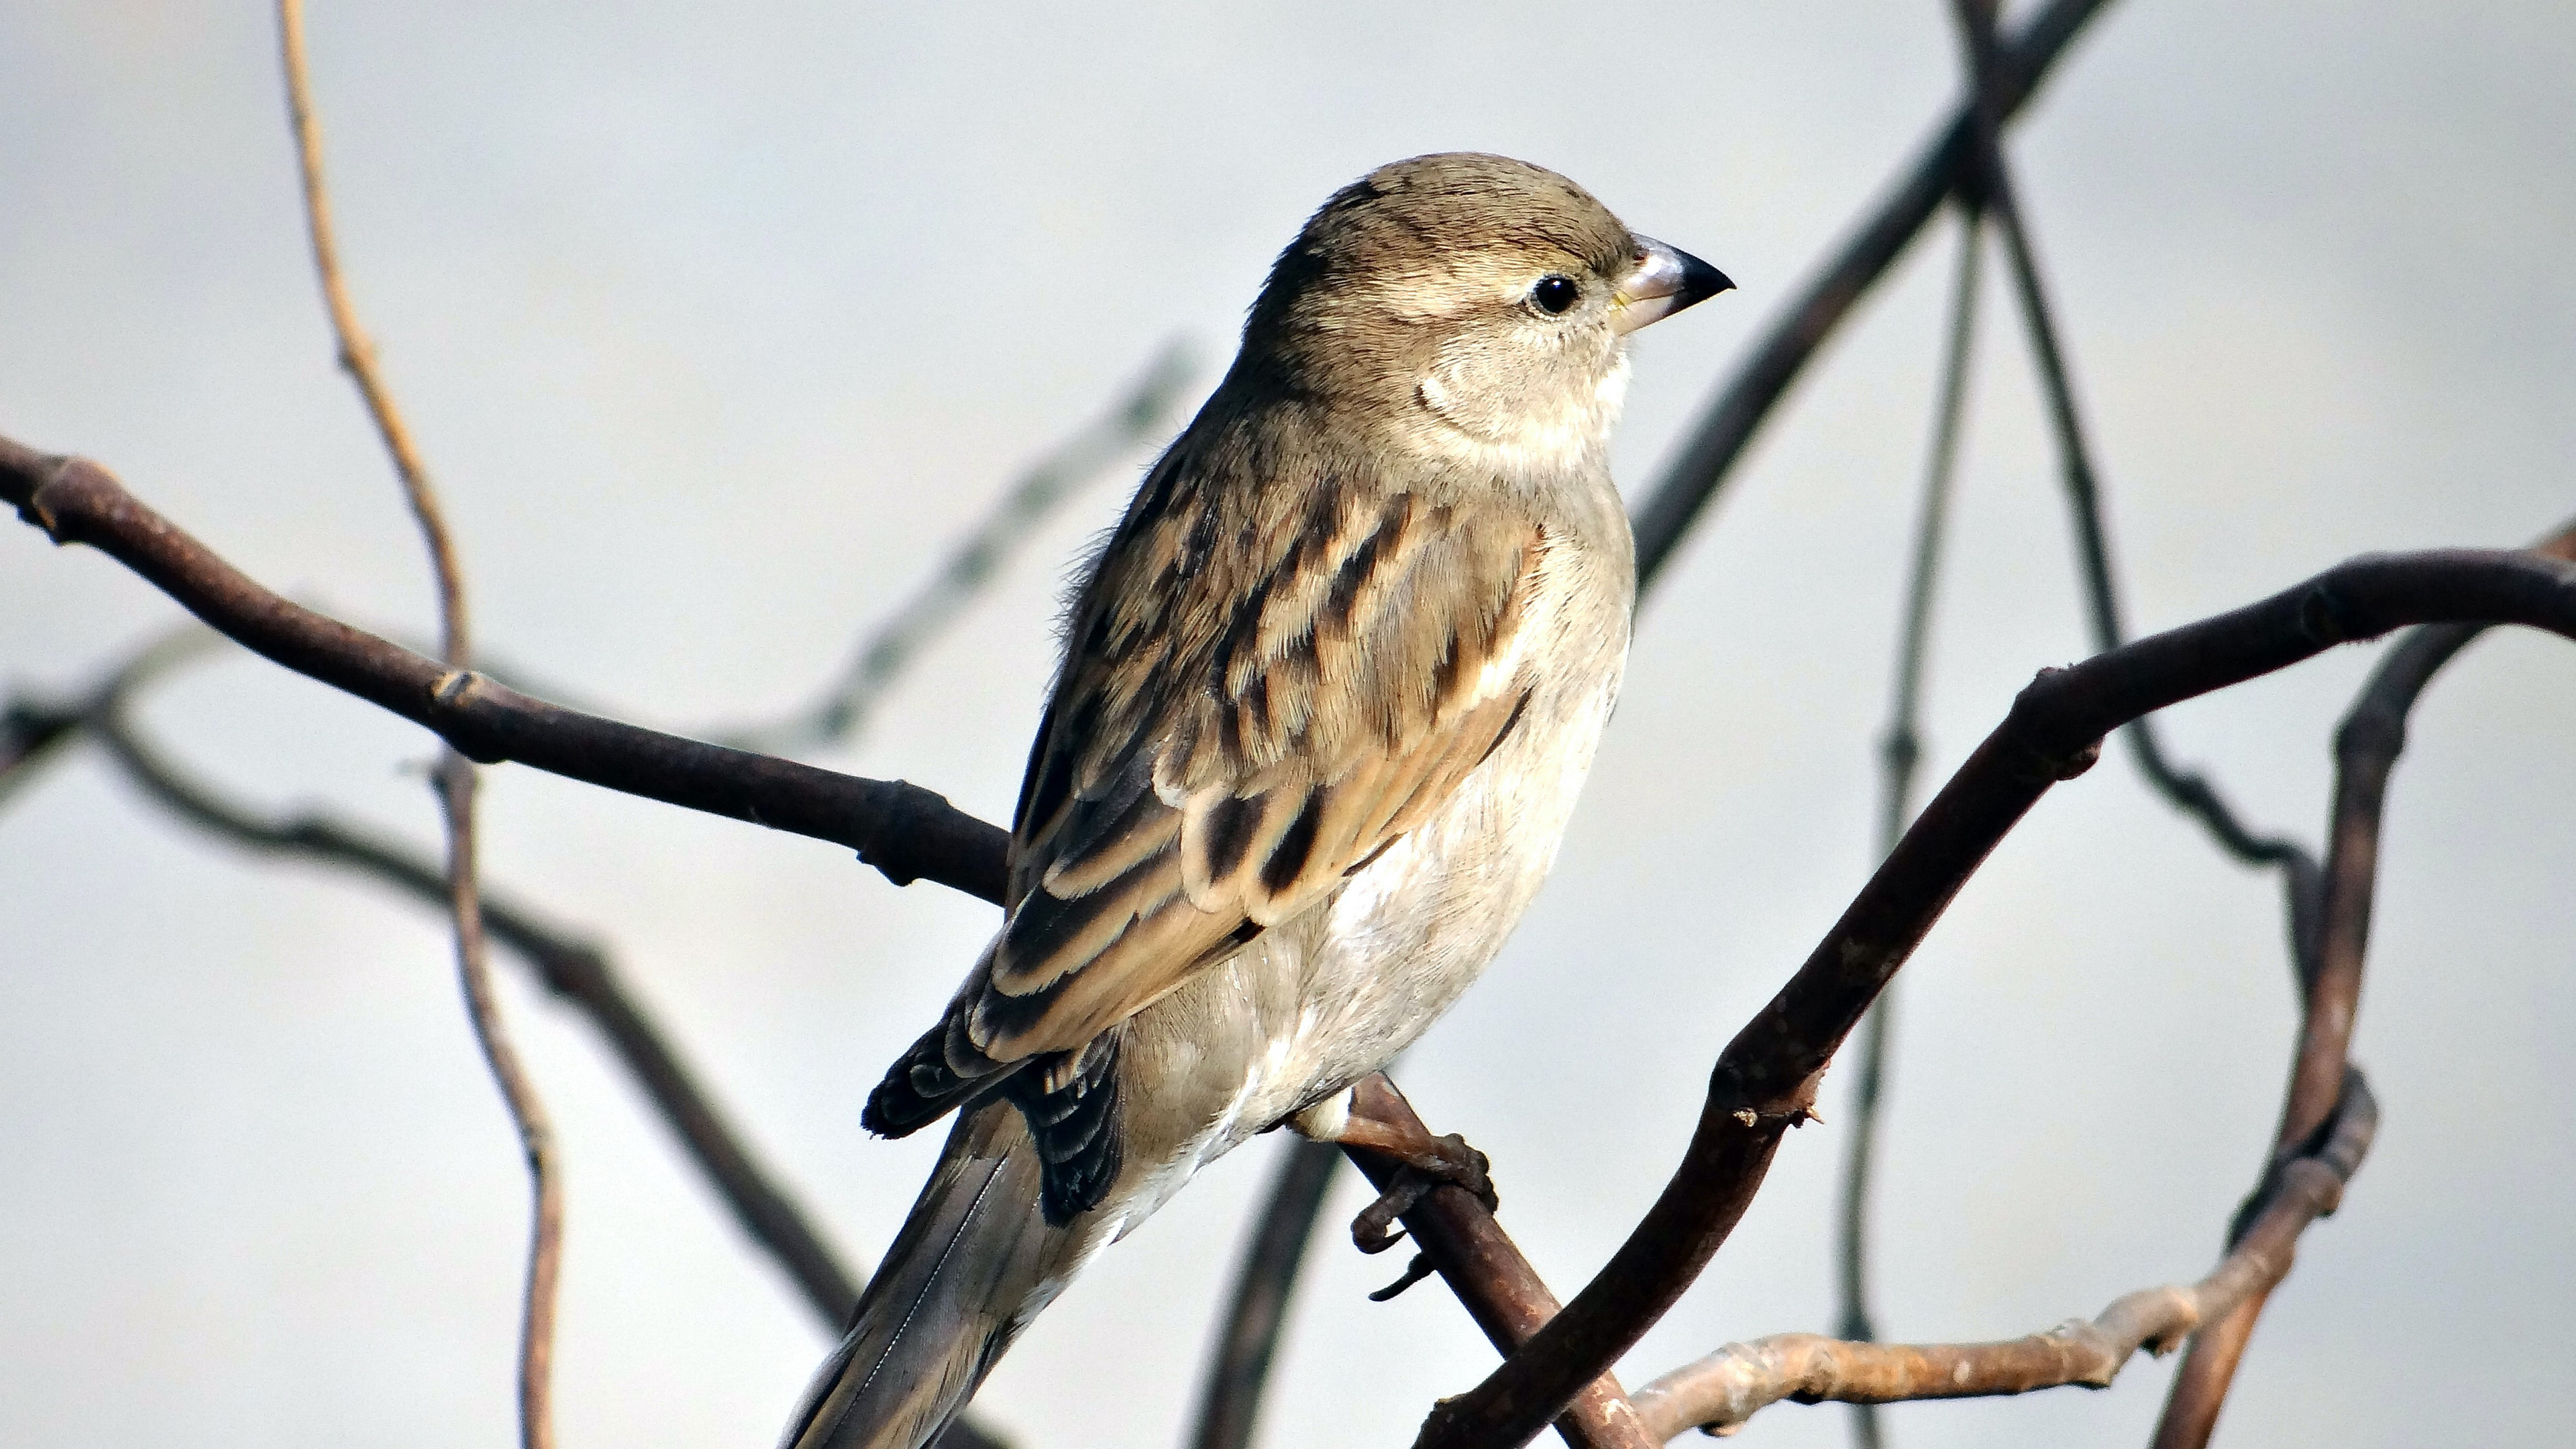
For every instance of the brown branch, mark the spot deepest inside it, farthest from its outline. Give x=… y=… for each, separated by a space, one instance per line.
x=1692 y=479
x=2367 y=745
x=1498 y=1287
x=903 y=830
x=1720 y=1392
x=1768 y=1074
x=455 y=778
x=1766 y=1079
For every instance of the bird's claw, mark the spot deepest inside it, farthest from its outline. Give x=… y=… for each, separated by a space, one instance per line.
x=1374 y=1230
x=1453 y=1162
x=1414 y=1272
x=1445 y=1161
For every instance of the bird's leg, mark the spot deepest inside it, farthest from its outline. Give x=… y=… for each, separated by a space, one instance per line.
x=1371 y=1115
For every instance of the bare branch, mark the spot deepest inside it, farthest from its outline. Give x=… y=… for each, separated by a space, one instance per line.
x=577 y=971
x=1766 y=1079
x=357 y=351
x=1693 y=477
x=2367 y=745
x=33 y=728
x=1138 y=417
x=456 y=780
x=1720 y=1392
x=1498 y=1287
x=903 y=830
x=1900 y=752
x=574 y=970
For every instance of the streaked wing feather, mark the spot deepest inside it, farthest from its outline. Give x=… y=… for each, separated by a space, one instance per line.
x=1245 y=719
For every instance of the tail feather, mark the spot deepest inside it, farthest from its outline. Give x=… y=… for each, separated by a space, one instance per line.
x=974 y=1263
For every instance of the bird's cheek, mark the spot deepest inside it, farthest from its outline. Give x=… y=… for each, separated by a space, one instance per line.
x=1470 y=393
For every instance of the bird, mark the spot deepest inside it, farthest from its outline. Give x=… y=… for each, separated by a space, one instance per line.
x=1327 y=694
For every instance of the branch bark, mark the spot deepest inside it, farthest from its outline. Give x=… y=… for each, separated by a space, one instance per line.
x=903 y=830
x=1720 y=1392
x=456 y=781
x=1498 y=1287
x=1766 y=1079
x=2338 y=903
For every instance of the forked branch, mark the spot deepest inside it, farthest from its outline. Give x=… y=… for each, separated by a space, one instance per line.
x=1720 y=1392
x=1766 y=1079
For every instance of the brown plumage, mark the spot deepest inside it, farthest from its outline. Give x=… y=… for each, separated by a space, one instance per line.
x=1326 y=696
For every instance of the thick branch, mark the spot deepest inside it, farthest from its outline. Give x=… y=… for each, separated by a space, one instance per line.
x=901 y=829
x=574 y=970
x=1766 y=1079
x=1720 y=1392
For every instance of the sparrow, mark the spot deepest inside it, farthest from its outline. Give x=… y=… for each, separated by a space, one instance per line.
x=1327 y=695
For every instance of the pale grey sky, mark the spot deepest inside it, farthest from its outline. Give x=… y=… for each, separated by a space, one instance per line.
x=717 y=323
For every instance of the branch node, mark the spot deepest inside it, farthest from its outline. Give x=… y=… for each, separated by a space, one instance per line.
x=2323 y=617
x=2068 y=766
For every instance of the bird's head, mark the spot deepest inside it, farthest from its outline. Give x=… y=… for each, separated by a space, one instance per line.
x=1469 y=304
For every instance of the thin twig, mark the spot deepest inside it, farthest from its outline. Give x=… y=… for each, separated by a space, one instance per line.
x=33 y=728
x=1720 y=1392
x=2187 y=790
x=1765 y=1081
x=1691 y=480
x=1139 y=416
x=2367 y=745
x=357 y=350
x=455 y=777
x=1900 y=753
x=576 y=971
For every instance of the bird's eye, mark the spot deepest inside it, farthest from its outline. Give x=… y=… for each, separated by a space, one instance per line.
x=1554 y=294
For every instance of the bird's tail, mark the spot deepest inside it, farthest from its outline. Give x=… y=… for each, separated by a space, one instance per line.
x=975 y=1262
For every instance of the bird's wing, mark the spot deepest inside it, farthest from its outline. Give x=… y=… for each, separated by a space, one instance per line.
x=1242 y=722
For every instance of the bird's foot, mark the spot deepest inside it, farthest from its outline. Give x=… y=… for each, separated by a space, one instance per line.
x=1373 y=1116
x=1428 y=1162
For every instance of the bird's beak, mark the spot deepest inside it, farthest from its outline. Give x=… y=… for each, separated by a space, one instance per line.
x=1666 y=279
